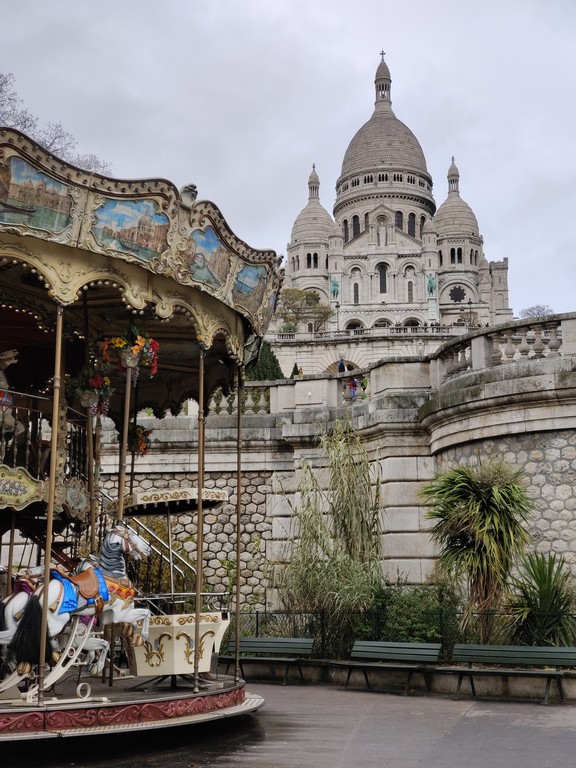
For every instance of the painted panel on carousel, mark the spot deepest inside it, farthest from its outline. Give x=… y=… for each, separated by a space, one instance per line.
x=248 y=290
x=131 y=226
x=207 y=258
x=33 y=199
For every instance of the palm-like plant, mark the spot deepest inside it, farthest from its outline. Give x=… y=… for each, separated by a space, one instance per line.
x=479 y=514
x=541 y=600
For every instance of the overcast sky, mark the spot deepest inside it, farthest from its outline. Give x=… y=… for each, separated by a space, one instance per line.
x=240 y=97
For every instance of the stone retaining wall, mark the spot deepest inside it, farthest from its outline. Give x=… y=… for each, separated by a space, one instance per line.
x=499 y=392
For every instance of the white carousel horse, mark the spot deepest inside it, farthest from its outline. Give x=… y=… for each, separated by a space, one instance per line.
x=104 y=592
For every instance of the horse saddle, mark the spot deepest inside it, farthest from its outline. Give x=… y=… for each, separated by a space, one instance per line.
x=87 y=582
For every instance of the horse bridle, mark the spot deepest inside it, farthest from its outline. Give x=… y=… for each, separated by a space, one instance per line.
x=130 y=545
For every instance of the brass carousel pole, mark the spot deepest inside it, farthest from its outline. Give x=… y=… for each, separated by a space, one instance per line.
x=11 y=554
x=200 y=523
x=51 y=500
x=130 y=361
x=239 y=385
x=90 y=467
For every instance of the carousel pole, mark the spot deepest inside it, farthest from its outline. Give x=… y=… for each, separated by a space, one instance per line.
x=239 y=385
x=130 y=361
x=200 y=523
x=90 y=476
x=51 y=500
x=11 y=554
x=90 y=468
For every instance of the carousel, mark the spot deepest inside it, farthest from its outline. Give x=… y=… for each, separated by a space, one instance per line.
x=115 y=297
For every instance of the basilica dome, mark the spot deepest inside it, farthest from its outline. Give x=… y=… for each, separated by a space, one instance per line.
x=313 y=223
x=384 y=142
x=454 y=216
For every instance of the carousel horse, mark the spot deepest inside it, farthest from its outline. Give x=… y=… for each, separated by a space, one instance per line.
x=103 y=592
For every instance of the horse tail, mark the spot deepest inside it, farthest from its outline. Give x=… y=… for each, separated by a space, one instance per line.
x=25 y=645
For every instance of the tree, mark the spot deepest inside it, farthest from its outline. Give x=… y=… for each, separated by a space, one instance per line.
x=297 y=306
x=267 y=368
x=538 y=310
x=53 y=137
x=479 y=514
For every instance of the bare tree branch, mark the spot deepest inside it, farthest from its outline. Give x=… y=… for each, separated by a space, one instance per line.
x=52 y=137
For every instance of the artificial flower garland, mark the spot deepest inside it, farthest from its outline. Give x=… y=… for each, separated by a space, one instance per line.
x=144 y=347
x=139 y=440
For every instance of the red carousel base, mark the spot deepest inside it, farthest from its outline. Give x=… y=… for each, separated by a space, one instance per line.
x=121 y=708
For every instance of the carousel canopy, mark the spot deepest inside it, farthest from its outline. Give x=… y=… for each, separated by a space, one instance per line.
x=124 y=259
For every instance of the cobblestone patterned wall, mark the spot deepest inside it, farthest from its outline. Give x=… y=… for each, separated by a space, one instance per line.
x=220 y=531
x=547 y=458
x=549 y=462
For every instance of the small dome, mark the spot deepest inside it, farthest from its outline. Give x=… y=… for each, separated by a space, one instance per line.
x=313 y=223
x=454 y=216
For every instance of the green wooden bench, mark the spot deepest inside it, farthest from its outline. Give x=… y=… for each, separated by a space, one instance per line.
x=290 y=651
x=412 y=658
x=512 y=660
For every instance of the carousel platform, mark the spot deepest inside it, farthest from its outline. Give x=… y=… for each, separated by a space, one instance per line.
x=90 y=707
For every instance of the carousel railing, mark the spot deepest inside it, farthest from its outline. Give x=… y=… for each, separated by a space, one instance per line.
x=165 y=575
x=154 y=574
x=25 y=435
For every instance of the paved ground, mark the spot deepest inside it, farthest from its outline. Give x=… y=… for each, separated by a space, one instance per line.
x=330 y=727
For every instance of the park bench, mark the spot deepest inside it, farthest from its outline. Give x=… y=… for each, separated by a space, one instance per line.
x=289 y=651
x=412 y=658
x=547 y=662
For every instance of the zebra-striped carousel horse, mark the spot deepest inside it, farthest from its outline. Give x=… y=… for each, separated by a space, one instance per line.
x=99 y=591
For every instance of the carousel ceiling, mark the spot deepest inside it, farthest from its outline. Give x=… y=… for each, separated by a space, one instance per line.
x=117 y=254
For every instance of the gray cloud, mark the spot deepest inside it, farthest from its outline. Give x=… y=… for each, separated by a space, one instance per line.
x=242 y=98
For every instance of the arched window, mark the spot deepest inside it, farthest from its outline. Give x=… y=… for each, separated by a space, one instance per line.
x=345 y=226
x=308 y=261
x=452 y=255
x=399 y=220
x=412 y=224
x=366 y=221
x=315 y=260
x=422 y=222
x=410 y=291
x=440 y=258
x=355 y=226
x=459 y=255
x=356 y=291
x=383 y=277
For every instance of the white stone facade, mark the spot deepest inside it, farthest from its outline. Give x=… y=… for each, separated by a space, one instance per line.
x=389 y=258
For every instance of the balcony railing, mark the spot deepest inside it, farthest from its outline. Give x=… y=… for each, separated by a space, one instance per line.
x=387 y=331
x=501 y=346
